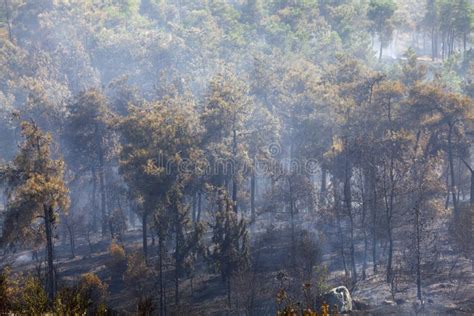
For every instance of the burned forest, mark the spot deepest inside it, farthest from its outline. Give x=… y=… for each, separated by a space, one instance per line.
x=236 y=157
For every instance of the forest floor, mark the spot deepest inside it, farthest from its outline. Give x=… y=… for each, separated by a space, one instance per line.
x=449 y=291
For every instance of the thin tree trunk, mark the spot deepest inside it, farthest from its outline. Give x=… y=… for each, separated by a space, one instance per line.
x=71 y=240
x=417 y=220
x=160 y=267
x=471 y=218
x=471 y=212
x=323 y=189
x=464 y=43
x=418 y=254
x=229 y=292
x=339 y=226
x=433 y=49
x=252 y=196
x=103 y=206
x=381 y=48
x=234 y=175
x=471 y=197
x=178 y=243
x=364 y=225
x=389 y=215
x=194 y=209
x=176 y=277
x=348 y=203
x=366 y=251
x=199 y=207
x=373 y=206
x=448 y=186
x=144 y=234
x=390 y=257
x=390 y=201
x=292 y=222
x=451 y=167
x=48 y=219
x=94 y=200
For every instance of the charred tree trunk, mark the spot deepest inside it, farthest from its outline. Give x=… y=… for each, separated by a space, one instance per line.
x=103 y=206
x=348 y=204
x=176 y=276
x=471 y=197
x=433 y=52
x=144 y=234
x=390 y=256
x=448 y=186
x=72 y=239
x=160 y=268
x=252 y=196
x=464 y=40
x=337 y=208
x=323 y=189
x=381 y=48
x=94 y=200
x=48 y=223
x=199 y=206
x=417 y=253
x=178 y=243
x=234 y=172
x=364 y=225
x=389 y=202
x=451 y=168
x=471 y=211
x=389 y=195
x=292 y=221
x=373 y=189
x=229 y=301
x=194 y=208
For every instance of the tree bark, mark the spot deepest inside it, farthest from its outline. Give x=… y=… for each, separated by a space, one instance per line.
x=337 y=207
x=364 y=223
x=381 y=48
x=464 y=43
x=418 y=254
x=451 y=167
x=178 y=243
x=373 y=204
x=48 y=220
x=433 y=44
x=323 y=189
x=160 y=267
x=103 y=206
x=229 y=292
x=199 y=206
x=176 y=276
x=94 y=200
x=194 y=207
x=252 y=196
x=234 y=172
x=72 y=242
x=144 y=234
x=348 y=203
x=471 y=197
x=471 y=211
x=292 y=221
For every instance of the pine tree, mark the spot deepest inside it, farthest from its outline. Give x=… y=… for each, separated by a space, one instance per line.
x=37 y=190
x=87 y=138
x=226 y=112
x=187 y=237
x=230 y=243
